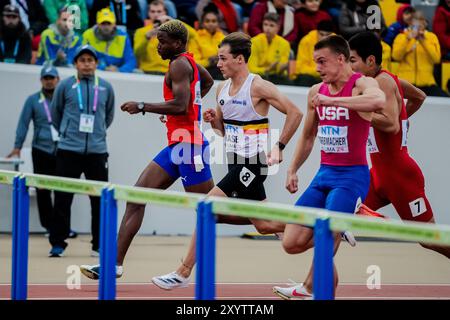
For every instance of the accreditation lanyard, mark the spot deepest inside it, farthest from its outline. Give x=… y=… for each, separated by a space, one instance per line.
x=124 y=11
x=16 y=51
x=47 y=109
x=80 y=96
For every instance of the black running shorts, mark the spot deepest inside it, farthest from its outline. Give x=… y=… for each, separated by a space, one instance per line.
x=245 y=177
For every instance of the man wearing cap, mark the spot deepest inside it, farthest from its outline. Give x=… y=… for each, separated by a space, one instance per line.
x=82 y=110
x=45 y=137
x=113 y=46
x=15 y=42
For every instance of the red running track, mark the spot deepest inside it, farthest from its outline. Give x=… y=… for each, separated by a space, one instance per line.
x=231 y=291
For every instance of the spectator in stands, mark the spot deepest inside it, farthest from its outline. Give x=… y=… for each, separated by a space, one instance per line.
x=15 y=42
x=59 y=42
x=127 y=14
x=146 y=43
x=32 y=15
x=308 y=17
x=37 y=110
x=228 y=17
x=210 y=36
x=246 y=6
x=169 y=5
x=305 y=68
x=113 y=46
x=441 y=27
x=417 y=51
x=333 y=7
x=53 y=7
x=354 y=18
x=82 y=121
x=288 y=28
x=186 y=11
x=270 y=52
x=404 y=20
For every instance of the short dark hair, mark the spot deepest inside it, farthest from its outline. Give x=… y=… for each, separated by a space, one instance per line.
x=272 y=16
x=335 y=43
x=240 y=43
x=367 y=44
x=325 y=25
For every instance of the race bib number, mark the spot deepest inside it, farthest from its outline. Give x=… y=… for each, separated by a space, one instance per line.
x=87 y=123
x=371 y=142
x=198 y=94
x=417 y=207
x=404 y=133
x=333 y=139
x=55 y=134
x=246 y=176
x=234 y=138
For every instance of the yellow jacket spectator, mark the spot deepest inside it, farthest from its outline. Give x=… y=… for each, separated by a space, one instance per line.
x=305 y=67
x=417 y=51
x=146 y=42
x=113 y=46
x=270 y=52
x=387 y=56
x=209 y=37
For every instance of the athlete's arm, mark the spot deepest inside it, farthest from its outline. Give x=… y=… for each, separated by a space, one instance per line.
x=215 y=117
x=414 y=95
x=179 y=74
x=269 y=92
x=371 y=97
x=387 y=120
x=305 y=143
x=206 y=81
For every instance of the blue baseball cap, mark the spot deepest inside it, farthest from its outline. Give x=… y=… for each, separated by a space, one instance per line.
x=49 y=71
x=85 y=49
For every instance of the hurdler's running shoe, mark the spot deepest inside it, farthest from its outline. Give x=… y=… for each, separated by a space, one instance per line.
x=171 y=281
x=93 y=272
x=296 y=292
x=366 y=211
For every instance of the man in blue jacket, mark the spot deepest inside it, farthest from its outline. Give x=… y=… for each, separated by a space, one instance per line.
x=82 y=110
x=45 y=137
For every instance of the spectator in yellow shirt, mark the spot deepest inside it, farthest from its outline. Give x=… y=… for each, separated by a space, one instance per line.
x=270 y=52
x=418 y=50
x=210 y=37
x=305 y=67
x=146 y=43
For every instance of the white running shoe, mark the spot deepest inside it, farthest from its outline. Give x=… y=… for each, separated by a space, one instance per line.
x=296 y=292
x=93 y=272
x=349 y=237
x=171 y=281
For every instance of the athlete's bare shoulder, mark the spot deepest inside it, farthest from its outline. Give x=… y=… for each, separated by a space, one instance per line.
x=220 y=87
x=364 y=83
x=179 y=68
x=262 y=88
x=386 y=82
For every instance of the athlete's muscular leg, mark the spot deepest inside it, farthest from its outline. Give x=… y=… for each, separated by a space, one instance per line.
x=153 y=176
x=188 y=262
x=297 y=238
x=444 y=250
x=308 y=284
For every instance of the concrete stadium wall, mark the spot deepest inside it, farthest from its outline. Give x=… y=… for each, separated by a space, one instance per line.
x=134 y=140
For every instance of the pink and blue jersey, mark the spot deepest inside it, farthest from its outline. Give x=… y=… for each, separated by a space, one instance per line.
x=343 y=179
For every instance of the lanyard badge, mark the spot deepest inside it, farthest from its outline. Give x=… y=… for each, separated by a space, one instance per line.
x=54 y=132
x=87 y=120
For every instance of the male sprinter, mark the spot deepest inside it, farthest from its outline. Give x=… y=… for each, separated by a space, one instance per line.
x=339 y=113
x=243 y=103
x=394 y=177
x=187 y=154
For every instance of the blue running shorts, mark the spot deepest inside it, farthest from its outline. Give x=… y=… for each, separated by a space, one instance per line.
x=337 y=188
x=190 y=162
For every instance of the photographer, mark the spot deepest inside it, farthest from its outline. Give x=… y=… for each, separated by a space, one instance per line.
x=418 y=50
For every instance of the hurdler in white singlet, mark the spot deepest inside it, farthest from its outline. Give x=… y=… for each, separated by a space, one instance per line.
x=245 y=130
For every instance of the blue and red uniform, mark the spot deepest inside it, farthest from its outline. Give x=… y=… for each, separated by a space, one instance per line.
x=342 y=181
x=395 y=177
x=187 y=153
